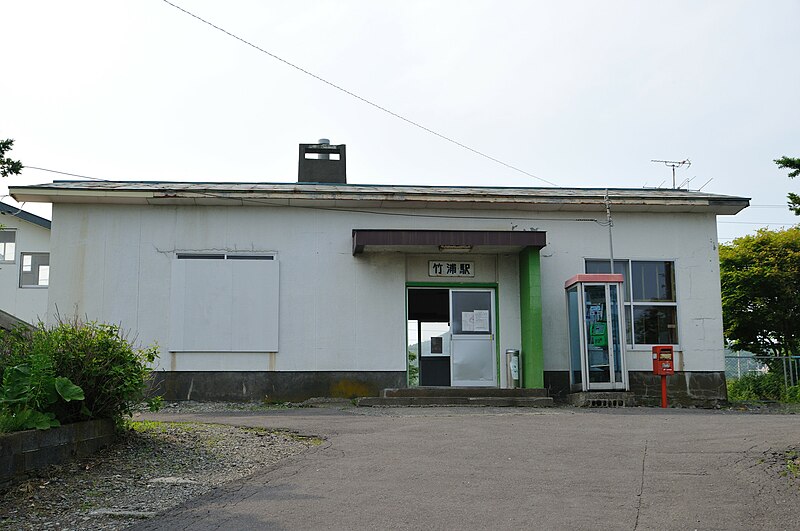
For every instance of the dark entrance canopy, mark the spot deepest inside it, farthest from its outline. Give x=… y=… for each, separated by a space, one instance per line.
x=486 y=241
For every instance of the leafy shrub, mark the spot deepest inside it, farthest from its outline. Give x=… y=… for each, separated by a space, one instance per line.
x=793 y=394
x=27 y=395
x=95 y=358
x=755 y=387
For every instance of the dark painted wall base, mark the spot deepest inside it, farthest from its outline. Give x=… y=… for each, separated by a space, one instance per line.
x=246 y=386
x=557 y=383
x=703 y=389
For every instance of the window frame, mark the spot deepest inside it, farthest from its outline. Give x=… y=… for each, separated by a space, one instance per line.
x=13 y=243
x=629 y=303
x=37 y=265
x=224 y=256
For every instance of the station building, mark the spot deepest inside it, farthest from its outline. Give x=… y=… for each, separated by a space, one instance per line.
x=286 y=291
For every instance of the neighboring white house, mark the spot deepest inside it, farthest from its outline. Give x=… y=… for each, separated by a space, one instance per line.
x=309 y=289
x=24 y=263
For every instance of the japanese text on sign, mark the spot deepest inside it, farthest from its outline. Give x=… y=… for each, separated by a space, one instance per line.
x=438 y=268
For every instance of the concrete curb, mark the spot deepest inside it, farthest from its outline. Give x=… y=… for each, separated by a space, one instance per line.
x=25 y=451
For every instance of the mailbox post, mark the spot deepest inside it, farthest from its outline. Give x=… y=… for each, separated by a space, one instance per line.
x=663 y=365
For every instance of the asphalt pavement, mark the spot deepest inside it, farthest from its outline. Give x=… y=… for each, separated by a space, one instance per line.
x=510 y=468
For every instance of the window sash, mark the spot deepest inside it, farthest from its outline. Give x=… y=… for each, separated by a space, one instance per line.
x=653 y=281
x=7 y=245
x=35 y=270
x=655 y=294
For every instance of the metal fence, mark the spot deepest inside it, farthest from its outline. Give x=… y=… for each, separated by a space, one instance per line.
x=737 y=366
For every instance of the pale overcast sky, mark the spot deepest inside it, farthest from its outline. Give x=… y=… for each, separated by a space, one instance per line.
x=580 y=93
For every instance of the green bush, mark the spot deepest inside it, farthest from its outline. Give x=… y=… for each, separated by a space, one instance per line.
x=760 y=387
x=95 y=358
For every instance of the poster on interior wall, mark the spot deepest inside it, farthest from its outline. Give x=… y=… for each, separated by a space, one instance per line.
x=436 y=345
x=446 y=268
x=467 y=322
x=481 y=320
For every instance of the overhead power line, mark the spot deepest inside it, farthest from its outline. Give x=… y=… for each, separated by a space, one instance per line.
x=360 y=98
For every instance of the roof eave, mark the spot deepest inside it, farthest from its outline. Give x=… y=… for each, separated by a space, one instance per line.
x=722 y=205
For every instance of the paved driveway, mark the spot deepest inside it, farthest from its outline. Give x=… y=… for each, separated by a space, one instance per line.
x=481 y=468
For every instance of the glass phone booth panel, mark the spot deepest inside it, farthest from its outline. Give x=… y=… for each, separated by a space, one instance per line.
x=596 y=319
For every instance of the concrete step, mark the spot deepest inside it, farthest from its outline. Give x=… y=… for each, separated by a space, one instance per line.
x=495 y=401
x=465 y=392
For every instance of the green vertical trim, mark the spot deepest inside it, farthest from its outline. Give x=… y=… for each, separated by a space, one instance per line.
x=497 y=333
x=530 y=310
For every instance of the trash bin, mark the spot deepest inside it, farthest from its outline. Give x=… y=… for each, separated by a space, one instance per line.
x=513 y=360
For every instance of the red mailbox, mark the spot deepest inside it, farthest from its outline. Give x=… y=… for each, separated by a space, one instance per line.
x=663 y=365
x=663 y=362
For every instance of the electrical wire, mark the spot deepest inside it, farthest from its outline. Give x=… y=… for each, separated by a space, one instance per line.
x=360 y=98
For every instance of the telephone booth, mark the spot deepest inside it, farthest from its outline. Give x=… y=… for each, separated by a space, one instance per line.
x=596 y=333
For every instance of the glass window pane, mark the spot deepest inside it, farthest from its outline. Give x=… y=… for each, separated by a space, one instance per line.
x=628 y=324
x=44 y=275
x=603 y=266
x=574 y=335
x=655 y=325
x=596 y=316
x=615 y=336
x=653 y=281
x=7 y=239
x=7 y=252
x=472 y=312
x=35 y=270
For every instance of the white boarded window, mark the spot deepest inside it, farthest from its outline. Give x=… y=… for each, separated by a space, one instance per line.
x=224 y=305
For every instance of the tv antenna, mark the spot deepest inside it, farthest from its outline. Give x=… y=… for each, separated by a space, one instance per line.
x=675 y=164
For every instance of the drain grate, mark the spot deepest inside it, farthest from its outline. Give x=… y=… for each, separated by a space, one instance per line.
x=605 y=402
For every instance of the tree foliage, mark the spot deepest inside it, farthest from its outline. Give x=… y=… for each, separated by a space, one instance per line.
x=760 y=277
x=8 y=166
x=788 y=163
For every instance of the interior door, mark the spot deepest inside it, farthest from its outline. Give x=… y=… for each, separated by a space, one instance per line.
x=472 y=352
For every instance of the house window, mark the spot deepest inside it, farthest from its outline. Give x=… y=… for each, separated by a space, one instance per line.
x=651 y=309
x=7 y=240
x=34 y=272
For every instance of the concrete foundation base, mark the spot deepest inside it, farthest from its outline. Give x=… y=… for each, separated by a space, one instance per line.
x=701 y=389
x=247 y=386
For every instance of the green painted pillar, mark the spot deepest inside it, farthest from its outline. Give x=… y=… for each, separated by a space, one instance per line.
x=530 y=309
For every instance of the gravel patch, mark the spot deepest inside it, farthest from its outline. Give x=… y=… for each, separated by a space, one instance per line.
x=152 y=468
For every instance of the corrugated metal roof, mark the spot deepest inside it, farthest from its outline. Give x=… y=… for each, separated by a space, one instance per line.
x=382 y=196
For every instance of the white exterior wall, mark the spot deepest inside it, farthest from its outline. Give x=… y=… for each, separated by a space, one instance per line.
x=690 y=240
x=30 y=303
x=347 y=313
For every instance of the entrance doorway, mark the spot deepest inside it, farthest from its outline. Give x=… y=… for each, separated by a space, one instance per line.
x=451 y=337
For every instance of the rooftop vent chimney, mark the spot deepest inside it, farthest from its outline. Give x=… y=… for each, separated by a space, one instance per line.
x=322 y=163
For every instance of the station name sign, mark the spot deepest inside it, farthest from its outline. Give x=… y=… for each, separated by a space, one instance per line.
x=445 y=268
